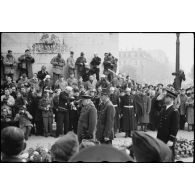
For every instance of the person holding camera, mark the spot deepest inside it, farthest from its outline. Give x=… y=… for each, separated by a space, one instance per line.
x=24 y=117
x=25 y=63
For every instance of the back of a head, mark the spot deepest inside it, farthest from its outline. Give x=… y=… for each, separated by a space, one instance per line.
x=12 y=141
x=101 y=153
x=65 y=147
x=149 y=149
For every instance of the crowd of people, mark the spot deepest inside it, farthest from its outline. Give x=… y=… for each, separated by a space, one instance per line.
x=94 y=106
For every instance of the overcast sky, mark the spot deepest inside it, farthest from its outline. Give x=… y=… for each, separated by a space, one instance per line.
x=162 y=41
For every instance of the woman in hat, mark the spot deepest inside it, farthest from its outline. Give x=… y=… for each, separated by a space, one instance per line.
x=87 y=120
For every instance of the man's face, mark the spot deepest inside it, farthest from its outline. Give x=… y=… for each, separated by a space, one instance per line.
x=9 y=79
x=59 y=55
x=91 y=78
x=192 y=95
x=111 y=91
x=85 y=101
x=103 y=98
x=92 y=93
x=7 y=92
x=71 y=76
x=71 y=55
x=23 y=90
x=168 y=100
x=183 y=92
x=13 y=89
x=10 y=54
x=27 y=53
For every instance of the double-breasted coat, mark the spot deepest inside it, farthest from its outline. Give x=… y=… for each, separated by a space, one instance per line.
x=105 y=125
x=146 y=104
x=87 y=122
x=168 y=124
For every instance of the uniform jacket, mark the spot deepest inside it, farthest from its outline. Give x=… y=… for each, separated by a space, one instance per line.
x=168 y=125
x=105 y=126
x=80 y=64
x=87 y=122
x=58 y=64
x=9 y=63
x=190 y=110
x=25 y=62
x=46 y=105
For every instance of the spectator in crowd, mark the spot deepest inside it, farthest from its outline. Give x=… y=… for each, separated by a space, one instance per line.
x=25 y=64
x=95 y=65
x=80 y=65
x=46 y=106
x=58 y=64
x=65 y=147
x=71 y=63
x=182 y=109
x=24 y=118
x=61 y=83
x=72 y=81
x=42 y=73
x=10 y=64
x=12 y=144
x=91 y=83
x=190 y=112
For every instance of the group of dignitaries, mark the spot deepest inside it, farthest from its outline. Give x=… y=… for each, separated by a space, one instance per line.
x=94 y=106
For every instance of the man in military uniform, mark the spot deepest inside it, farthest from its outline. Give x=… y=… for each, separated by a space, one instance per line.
x=46 y=105
x=63 y=111
x=114 y=98
x=25 y=64
x=80 y=65
x=95 y=63
x=9 y=63
x=105 y=125
x=169 y=120
x=58 y=63
x=87 y=120
x=128 y=108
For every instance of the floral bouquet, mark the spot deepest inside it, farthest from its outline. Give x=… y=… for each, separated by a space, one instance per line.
x=184 y=148
x=39 y=154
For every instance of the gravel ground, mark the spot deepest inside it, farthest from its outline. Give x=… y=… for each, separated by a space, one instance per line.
x=120 y=137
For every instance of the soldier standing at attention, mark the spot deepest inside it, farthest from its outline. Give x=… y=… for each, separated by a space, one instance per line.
x=87 y=120
x=128 y=108
x=105 y=126
x=80 y=65
x=46 y=105
x=169 y=120
x=58 y=63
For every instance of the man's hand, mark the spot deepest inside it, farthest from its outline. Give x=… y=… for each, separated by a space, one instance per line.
x=170 y=143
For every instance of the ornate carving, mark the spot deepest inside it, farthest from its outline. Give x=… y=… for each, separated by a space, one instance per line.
x=49 y=44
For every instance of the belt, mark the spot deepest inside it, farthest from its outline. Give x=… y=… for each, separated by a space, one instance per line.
x=115 y=105
x=128 y=106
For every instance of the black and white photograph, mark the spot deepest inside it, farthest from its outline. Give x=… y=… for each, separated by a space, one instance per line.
x=97 y=97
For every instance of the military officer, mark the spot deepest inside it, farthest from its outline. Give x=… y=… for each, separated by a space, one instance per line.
x=128 y=108
x=87 y=120
x=46 y=105
x=169 y=120
x=105 y=125
x=114 y=98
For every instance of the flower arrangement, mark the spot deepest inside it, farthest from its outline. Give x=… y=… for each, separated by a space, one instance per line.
x=39 y=154
x=184 y=148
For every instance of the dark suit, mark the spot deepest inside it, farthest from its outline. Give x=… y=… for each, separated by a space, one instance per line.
x=168 y=125
x=105 y=126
